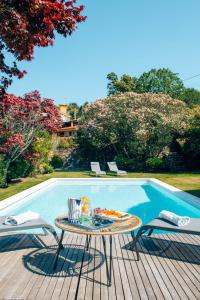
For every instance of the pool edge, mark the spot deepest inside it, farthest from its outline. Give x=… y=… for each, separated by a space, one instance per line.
x=191 y=199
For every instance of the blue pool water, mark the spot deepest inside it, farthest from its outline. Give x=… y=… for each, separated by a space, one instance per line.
x=145 y=200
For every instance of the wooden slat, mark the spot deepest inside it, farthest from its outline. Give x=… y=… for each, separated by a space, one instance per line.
x=119 y=291
x=174 y=266
x=90 y=275
x=123 y=273
x=61 y=274
x=67 y=268
x=131 y=258
x=104 y=288
x=185 y=272
x=159 y=286
x=167 y=277
x=27 y=279
x=78 y=258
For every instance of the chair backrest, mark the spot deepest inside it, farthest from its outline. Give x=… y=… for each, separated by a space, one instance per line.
x=95 y=167
x=113 y=166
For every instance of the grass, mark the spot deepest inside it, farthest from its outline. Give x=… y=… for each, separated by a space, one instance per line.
x=189 y=182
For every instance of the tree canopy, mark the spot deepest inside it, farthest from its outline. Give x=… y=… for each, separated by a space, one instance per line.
x=120 y=85
x=27 y=24
x=191 y=96
x=160 y=81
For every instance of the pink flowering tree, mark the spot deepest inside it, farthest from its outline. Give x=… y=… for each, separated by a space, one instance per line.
x=132 y=125
x=21 y=119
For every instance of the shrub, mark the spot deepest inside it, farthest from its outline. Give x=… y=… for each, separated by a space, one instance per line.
x=129 y=164
x=20 y=168
x=66 y=143
x=155 y=163
x=56 y=162
x=45 y=168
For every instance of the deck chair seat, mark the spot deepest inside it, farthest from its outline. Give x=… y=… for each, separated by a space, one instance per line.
x=113 y=168
x=95 y=167
x=33 y=224
x=193 y=227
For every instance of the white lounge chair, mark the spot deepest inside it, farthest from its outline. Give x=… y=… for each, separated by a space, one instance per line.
x=160 y=224
x=113 y=168
x=95 y=167
x=33 y=224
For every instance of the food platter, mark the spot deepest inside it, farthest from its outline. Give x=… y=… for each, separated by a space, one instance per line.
x=113 y=215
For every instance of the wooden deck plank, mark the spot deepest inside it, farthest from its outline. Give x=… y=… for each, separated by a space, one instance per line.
x=104 y=288
x=61 y=273
x=135 y=270
x=186 y=271
x=172 y=274
x=67 y=268
x=97 y=273
x=159 y=285
x=54 y=274
x=165 y=263
x=145 y=274
x=90 y=276
x=84 y=274
x=15 y=266
x=119 y=291
x=123 y=273
x=167 y=277
x=79 y=255
x=175 y=267
x=27 y=279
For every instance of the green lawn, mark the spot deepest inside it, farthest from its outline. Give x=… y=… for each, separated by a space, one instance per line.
x=189 y=182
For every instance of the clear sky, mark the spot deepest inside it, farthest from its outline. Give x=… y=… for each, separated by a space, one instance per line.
x=124 y=36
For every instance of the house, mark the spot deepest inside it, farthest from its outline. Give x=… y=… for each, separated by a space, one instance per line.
x=70 y=125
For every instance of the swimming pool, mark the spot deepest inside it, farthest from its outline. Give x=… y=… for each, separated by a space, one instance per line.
x=142 y=197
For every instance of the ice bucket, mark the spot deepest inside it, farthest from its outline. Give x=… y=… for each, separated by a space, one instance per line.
x=74 y=209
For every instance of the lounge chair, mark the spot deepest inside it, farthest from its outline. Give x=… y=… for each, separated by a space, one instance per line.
x=113 y=168
x=193 y=227
x=95 y=167
x=38 y=223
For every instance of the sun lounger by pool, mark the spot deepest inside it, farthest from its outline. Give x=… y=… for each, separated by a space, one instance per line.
x=33 y=224
x=113 y=168
x=95 y=167
x=193 y=227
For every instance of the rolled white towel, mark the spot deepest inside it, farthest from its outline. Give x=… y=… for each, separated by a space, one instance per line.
x=22 y=218
x=176 y=219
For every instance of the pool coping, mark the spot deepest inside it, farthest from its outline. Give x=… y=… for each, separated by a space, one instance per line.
x=191 y=199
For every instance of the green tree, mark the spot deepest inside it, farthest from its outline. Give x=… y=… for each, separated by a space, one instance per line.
x=192 y=143
x=191 y=96
x=161 y=81
x=73 y=110
x=42 y=146
x=120 y=85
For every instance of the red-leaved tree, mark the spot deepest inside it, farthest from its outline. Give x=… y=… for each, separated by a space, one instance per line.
x=25 y=24
x=21 y=119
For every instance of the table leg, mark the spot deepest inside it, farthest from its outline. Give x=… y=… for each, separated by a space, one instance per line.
x=108 y=269
x=60 y=246
x=135 y=244
x=88 y=239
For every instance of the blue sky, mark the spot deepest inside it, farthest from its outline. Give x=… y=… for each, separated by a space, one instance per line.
x=124 y=36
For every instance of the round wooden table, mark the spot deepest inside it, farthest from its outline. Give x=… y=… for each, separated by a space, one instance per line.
x=118 y=227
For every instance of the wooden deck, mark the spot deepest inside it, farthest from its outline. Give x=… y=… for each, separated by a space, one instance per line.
x=166 y=270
